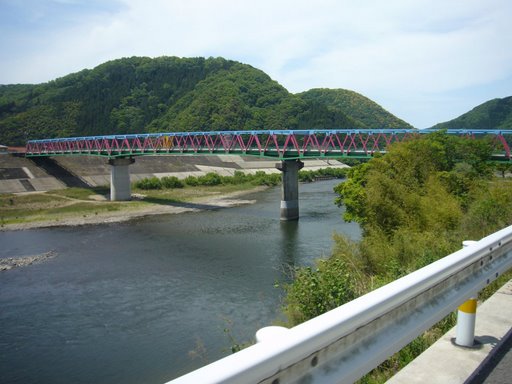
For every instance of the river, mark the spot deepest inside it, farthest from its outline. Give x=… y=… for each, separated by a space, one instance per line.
x=151 y=299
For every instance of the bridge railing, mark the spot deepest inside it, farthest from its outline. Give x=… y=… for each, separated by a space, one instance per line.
x=282 y=144
x=345 y=343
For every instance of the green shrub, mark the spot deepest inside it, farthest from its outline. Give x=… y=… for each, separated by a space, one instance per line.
x=262 y=178
x=306 y=176
x=149 y=183
x=239 y=177
x=191 y=180
x=318 y=290
x=209 y=179
x=171 y=182
x=309 y=176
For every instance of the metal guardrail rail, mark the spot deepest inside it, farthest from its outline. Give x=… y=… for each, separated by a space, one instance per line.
x=342 y=345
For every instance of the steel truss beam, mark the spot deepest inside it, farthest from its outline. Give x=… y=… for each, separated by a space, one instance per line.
x=284 y=144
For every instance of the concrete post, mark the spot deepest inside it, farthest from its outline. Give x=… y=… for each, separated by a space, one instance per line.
x=271 y=333
x=290 y=188
x=466 y=317
x=120 y=188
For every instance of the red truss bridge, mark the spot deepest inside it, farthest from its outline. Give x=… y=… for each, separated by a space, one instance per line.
x=276 y=144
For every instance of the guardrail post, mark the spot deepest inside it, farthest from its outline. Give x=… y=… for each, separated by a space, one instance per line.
x=466 y=317
x=270 y=333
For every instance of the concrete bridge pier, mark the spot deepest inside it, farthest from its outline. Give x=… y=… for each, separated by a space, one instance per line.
x=120 y=188
x=290 y=188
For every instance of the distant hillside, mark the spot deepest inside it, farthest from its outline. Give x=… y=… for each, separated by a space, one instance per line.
x=364 y=111
x=493 y=114
x=140 y=94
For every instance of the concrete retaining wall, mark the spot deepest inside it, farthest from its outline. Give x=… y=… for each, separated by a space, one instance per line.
x=19 y=174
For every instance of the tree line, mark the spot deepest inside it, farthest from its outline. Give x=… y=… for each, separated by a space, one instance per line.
x=493 y=114
x=166 y=94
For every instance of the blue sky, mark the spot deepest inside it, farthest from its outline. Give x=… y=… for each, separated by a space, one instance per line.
x=425 y=61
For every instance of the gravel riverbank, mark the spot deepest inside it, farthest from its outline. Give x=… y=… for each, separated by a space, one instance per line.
x=204 y=203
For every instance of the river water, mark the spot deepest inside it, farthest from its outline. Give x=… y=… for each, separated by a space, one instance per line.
x=151 y=299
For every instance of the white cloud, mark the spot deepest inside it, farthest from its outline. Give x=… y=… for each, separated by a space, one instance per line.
x=426 y=58
x=396 y=48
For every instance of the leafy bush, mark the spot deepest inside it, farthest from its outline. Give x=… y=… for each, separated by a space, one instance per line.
x=149 y=183
x=171 y=182
x=261 y=178
x=239 y=177
x=191 y=180
x=309 y=176
x=318 y=290
x=306 y=176
x=209 y=179
x=353 y=162
x=491 y=209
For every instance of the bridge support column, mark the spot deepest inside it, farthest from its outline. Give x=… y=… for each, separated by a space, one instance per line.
x=290 y=188
x=120 y=189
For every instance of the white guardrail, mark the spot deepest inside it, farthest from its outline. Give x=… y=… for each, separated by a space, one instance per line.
x=343 y=344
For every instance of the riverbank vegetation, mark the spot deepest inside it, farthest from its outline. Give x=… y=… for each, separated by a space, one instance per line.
x=89 y=203
x=415 y=204
x=239 y=178
x=210 y=179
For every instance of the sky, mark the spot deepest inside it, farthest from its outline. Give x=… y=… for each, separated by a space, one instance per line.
x=425 y=61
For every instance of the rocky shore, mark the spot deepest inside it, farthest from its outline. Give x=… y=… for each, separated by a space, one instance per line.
x=16 y=262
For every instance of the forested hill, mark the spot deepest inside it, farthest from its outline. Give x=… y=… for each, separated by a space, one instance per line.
x=140 y=94
x=365 y=111
x=493 y=114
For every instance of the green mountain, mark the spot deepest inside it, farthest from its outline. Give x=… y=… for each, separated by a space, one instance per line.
x=140 y=94
x=364 y=111
x=493 y=114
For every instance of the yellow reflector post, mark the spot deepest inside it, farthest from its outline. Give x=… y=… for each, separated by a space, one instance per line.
x=468 y=306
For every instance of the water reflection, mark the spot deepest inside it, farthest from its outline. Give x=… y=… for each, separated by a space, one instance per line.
x=289 y=233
